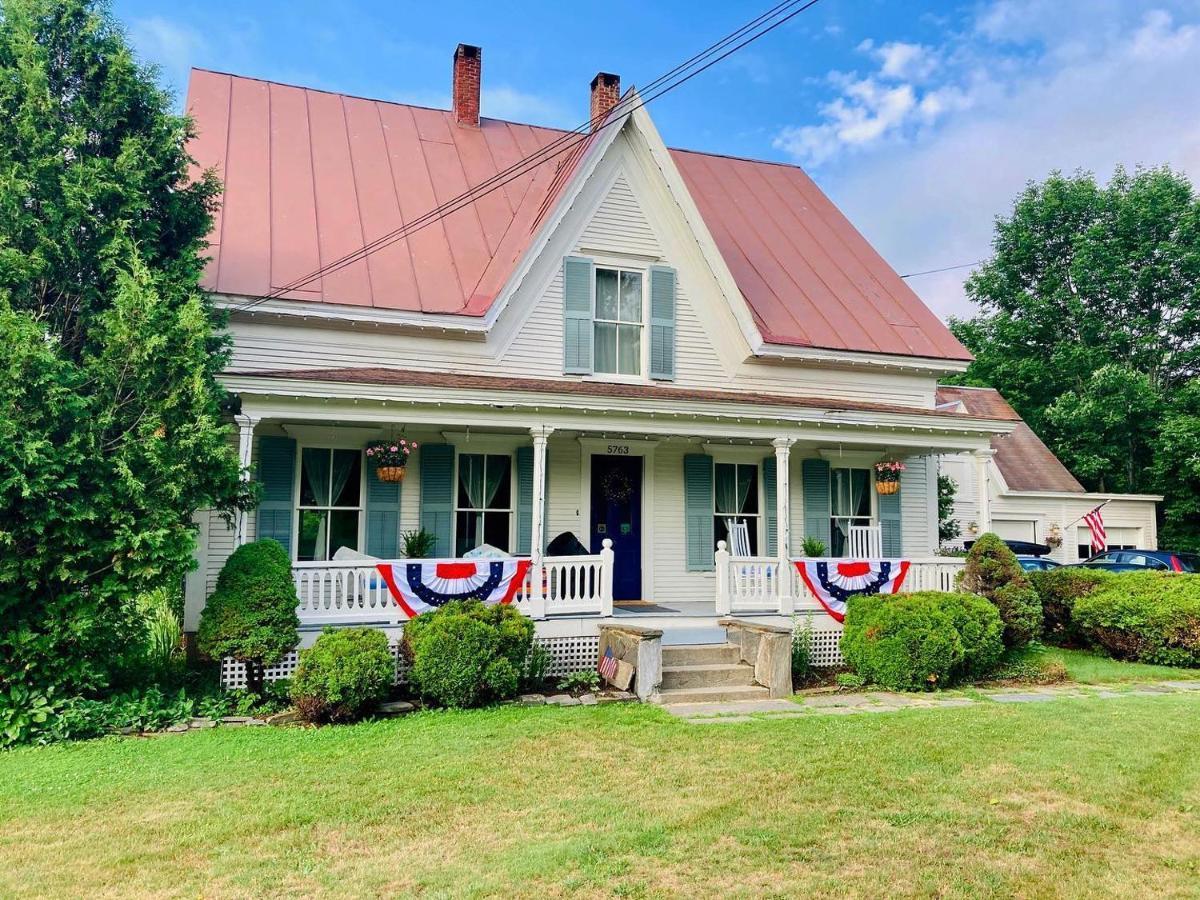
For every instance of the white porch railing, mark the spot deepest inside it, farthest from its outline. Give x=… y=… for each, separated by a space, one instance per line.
x=353 y=592
x=751 y=583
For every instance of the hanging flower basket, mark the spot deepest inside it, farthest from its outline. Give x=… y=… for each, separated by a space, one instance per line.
x=887 y=476
x=390 y=458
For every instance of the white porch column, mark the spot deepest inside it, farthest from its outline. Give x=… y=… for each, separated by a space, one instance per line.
x=537 y=536
x=246 y=426
x=783 y=524
x=983 y=465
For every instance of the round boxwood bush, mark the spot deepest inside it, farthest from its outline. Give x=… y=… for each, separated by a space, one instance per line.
x=343 y=675
x=251 y=615
x=992 y=571
x=919 y=641
x=466 y=654
x=1059 y=589
x=1146 y=616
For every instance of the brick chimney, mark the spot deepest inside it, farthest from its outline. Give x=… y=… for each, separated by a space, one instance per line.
x=606 y=92
x=468 y=66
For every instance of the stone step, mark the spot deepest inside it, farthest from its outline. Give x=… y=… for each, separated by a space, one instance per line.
x=724 y=694
x=718 y=675
x=676 y=636
x=701 y=654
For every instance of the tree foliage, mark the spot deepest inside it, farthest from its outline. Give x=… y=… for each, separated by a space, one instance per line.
x=111 y=431
x=1090 y=326
x=948 y=527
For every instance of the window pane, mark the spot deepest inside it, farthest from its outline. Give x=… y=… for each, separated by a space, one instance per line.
x=468 y=531
x=747 y=488
x=725 y=481
x=495 y=530
x=499 y=483
x=631 y=297
x=606 y=294
x=860 y=492
x=629 y=349
x=606 y=348
x=314 y=477
x=470 y=480
x=721 y=533
x=347 y=477
x=837 y=540
x=311 y=542
x=343 y=530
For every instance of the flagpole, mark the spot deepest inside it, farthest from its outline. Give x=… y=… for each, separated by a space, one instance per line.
x=1088 y=513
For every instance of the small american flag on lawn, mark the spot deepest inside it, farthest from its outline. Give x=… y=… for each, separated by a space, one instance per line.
x=608 y=665
x=1095 y=522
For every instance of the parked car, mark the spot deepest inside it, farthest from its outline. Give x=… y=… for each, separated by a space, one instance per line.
x=1036 y=563
x=1134 y=560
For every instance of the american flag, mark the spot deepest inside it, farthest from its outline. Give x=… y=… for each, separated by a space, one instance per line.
x=608 y=665
x=1095 y=522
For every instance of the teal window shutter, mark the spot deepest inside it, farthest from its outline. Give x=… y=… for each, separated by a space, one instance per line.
x=889 y=521
x=579 y=302
x=698 y=511
x=769 y=517
x=277 y=477
x=437 y=496
x=817 y=505
x=383 y=516
x=524 y=462
x=662 y=323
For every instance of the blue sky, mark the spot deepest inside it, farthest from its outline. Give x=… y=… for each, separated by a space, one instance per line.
x=922 y=119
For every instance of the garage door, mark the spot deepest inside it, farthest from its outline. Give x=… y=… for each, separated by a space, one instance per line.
x=1015 y=529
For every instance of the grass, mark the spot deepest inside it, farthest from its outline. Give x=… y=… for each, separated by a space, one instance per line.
x=1087 y=667
x=1070 y=798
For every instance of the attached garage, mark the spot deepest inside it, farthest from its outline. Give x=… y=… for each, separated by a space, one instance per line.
x=1016 y=529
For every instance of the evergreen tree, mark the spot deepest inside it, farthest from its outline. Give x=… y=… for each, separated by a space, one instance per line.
x=111 y=426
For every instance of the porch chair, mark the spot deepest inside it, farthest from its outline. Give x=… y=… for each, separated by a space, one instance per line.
x=866 y=541
x=739 y=537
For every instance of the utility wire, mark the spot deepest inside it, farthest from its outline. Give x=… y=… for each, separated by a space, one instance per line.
x=944 y=269
x=657 y=88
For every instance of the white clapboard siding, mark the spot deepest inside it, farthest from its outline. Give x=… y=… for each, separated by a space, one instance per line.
x=918 y=507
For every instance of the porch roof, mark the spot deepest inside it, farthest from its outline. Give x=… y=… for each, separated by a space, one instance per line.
x=615 y=390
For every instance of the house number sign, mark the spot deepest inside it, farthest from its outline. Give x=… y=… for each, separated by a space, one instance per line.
x=618 y=449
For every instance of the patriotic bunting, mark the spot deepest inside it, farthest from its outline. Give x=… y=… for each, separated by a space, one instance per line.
x=834 y=581
x=418 y=587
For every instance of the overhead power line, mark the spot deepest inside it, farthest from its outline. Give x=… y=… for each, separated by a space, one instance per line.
x=679 y=75
x=944 y=269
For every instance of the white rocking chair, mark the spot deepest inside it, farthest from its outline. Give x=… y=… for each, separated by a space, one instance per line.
x=866 y=541
x=739 y=537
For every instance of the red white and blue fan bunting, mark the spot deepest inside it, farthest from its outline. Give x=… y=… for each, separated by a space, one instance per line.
x=421 y=586
x=834 y=581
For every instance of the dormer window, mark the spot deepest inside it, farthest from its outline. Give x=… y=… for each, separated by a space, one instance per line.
x=618 y=323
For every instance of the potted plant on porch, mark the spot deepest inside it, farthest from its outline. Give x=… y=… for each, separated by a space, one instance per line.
x=390 y=458
x=887 y=475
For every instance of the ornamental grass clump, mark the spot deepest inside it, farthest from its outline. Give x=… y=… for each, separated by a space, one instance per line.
x=921 y=641
x=344 y=675
x=992 y=571
x=466 y=654
x=251 y=616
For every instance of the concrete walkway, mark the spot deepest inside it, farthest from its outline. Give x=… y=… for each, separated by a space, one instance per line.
x=833 y=703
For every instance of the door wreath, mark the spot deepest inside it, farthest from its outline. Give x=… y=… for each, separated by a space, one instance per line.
x=617 y=487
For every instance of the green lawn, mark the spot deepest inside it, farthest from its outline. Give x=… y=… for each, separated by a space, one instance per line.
x=1069 y=798
x=1087 y=667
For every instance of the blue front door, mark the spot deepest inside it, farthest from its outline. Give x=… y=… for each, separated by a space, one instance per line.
x=617 y=514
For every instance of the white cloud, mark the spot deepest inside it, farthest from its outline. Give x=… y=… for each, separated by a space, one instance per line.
x=901 y=60
x=1014 y=98
x=506 y=102
x=172 y=46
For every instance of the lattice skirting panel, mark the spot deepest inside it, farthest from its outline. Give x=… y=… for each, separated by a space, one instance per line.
x=233 y=673
x=571 y=654
x=825 y=650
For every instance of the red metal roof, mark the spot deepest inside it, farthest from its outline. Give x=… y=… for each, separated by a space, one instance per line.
x=310 y=176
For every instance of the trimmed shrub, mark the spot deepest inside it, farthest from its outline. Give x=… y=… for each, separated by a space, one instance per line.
x=251 y=615
x=992 y=571
x=1151 y=617
x=1058 y=590
x=343 y=675
x=466 y=654
x=910 y=642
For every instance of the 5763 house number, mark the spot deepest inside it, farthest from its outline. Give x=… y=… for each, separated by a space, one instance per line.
x=618 y=449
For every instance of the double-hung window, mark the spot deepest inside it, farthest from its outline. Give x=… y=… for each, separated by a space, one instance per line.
x=850 y=497
x=736 y=507
x=483 y=514
x=330 y=502
x=618 y=323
